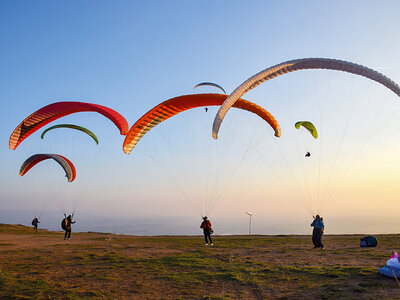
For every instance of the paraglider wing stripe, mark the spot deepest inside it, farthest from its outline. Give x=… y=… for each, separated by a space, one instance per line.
x=148 y=122
x=72 y=126
x=174 y=106
x=23 y=131
x=65 y=163
x=300 y=64
x=261 y=112
x=54 y=111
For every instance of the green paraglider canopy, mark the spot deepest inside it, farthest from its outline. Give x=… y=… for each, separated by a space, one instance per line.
x=309 y=126
x=72 y=126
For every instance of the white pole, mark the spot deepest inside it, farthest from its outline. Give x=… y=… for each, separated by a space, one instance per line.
x=250 y=215
x=250 y=226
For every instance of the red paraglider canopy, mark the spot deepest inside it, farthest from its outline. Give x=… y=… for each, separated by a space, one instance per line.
x=57 y=110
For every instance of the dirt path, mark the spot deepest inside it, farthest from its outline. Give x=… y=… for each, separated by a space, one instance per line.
x=40 y=240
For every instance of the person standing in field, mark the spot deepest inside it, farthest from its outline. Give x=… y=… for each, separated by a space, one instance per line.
x=66 y=225
x=318 y=231
x=35 y=223
x=207 y=230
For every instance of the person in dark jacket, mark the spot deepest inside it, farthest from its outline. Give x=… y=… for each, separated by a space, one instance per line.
x=318 y=231
x=35 y=223
x=67 y=227
x=207 y=230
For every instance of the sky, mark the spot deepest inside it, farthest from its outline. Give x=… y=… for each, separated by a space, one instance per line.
x=132 y=55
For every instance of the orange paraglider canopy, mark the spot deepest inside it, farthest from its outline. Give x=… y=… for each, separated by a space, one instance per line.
x=174 y=106
x=57 y=110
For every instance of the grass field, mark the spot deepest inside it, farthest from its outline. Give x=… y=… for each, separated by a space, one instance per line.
x=94 y=265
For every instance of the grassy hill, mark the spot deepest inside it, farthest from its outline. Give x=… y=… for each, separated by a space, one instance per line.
x=94 y=265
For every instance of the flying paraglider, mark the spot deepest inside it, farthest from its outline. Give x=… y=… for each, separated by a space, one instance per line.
x=65 y=163
x=309 y=126
x=210 y=84
x=72 y=126
x=295 y=65
x=54 y=111
x=174 y=106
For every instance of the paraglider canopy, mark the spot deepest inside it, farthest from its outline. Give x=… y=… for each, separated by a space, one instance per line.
x=65 y=163
x=174 y=106
x=309 y=126
x=54 y=111
x=72 y=126
x=295 y=65
x=210 y=84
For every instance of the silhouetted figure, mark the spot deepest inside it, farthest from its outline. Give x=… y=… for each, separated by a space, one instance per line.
x=35 y=223
x=318 y=231
x=206 y=109
x=308 y=154
x=207 y=230
x=66 y=225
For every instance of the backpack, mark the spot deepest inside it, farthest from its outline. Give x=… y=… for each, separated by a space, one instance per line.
x=63 y=224
x=34 y=222
x=368 y=241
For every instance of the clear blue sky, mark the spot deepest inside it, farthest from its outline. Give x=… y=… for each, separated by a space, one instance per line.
x=131 y=55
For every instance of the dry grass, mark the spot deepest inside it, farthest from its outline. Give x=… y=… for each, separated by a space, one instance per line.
x=92 y=265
